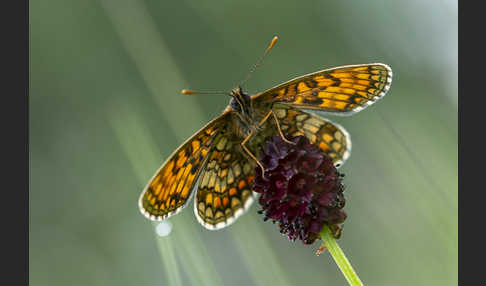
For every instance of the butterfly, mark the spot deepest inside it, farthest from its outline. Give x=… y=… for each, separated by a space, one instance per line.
x=217 y=164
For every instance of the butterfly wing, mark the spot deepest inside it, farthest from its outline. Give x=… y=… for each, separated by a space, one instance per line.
x=171 y=188
x=224 y=191
x=331 y=138
x=341 y=91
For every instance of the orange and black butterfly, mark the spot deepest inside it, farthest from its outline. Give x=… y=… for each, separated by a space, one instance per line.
x=217 y=164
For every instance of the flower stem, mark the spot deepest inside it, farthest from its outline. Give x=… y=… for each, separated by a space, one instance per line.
x=339 y=257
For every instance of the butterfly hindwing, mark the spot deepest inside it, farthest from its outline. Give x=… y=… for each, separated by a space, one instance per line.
x=331 y=138
x=342 y=91
x=171 y=188
x=224 y=191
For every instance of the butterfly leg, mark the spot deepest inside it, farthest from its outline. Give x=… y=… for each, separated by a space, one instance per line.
x=265 y=118
x=243 y=143
x=251 y=154
x=280 y=130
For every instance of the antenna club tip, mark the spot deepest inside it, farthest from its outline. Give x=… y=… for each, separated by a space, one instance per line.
x=274 y=40
x=187 y=91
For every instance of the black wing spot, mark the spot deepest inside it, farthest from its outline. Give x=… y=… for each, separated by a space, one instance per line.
x=313 y=100
x=311 y=83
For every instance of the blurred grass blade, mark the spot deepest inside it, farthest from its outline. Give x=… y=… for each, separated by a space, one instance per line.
x=194 y=253
x=154 y=62
x=166 y=248
x=259 y=256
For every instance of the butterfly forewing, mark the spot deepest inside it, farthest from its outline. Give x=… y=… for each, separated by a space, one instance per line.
x=343 y=90
x=224 y=191
x=172 y=185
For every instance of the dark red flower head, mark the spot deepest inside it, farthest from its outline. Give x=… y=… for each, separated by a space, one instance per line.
x=302 y=189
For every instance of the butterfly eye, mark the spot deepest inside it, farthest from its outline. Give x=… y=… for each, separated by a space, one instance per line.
x=235 y=105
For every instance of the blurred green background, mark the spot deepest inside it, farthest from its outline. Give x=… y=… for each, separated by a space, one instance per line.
x=105 y=112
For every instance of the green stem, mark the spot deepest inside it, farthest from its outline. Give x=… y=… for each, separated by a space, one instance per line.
x=339 y=257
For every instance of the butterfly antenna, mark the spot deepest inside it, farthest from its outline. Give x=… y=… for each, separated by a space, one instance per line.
x=274 y=40
x=188 y=91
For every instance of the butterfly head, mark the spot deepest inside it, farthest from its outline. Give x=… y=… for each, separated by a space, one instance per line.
x=240 y=101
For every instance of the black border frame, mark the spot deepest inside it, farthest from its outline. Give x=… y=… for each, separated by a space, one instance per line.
x=14 y=120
